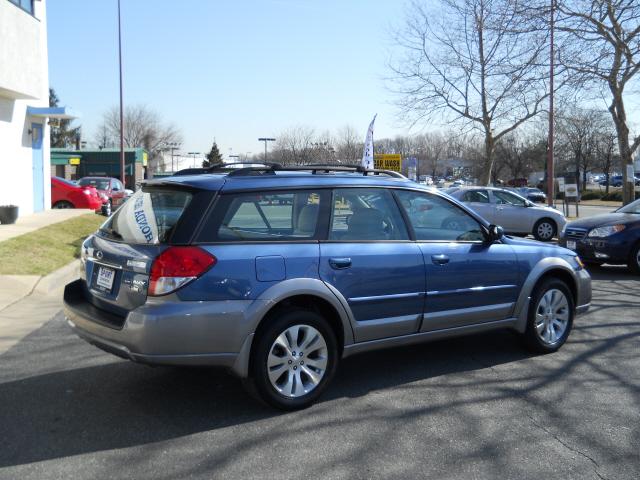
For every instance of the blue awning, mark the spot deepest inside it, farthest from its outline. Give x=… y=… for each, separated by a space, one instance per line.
x=53 y=112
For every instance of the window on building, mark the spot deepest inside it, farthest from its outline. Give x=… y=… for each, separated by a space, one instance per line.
x=26 y=5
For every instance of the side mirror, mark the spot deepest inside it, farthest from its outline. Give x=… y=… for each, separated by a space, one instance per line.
x=496 y=232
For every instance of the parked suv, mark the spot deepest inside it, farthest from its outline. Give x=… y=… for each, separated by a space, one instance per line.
x=213 y=269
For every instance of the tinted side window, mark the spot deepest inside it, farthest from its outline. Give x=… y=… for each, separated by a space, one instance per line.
x=365 y=214
x=277 y=216
x=477 y=196
x=434 y=218
x=506 y=198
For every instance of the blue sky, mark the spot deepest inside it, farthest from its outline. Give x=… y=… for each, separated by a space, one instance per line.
x=233 y=70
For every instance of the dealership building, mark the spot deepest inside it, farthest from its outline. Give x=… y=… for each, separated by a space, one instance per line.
x=104 y=162
x=24 y=106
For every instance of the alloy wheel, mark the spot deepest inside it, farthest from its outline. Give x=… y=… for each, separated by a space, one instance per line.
x=552 y=316
x=545 y=230
x=297 y=361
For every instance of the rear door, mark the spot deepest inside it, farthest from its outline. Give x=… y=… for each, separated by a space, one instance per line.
x=371 y=261
x=479 y=201
x=259 y=240
x=468 y=280
x=511 y=212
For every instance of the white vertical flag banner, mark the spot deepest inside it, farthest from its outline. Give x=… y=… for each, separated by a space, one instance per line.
x=367 y=153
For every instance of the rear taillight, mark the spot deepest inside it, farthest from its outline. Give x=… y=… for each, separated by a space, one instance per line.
x=177 y=266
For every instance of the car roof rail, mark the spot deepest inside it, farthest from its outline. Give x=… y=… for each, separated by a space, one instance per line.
x=271 y=168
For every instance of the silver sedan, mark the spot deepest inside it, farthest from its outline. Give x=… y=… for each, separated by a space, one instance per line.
x=514 y=213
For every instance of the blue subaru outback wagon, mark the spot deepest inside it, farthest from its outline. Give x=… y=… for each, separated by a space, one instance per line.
x=278 y=273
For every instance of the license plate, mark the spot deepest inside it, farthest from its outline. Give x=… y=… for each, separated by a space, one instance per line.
x=571 y=244
x=104 y=279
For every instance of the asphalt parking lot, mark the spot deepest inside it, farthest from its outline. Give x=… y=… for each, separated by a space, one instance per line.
x=475 y=407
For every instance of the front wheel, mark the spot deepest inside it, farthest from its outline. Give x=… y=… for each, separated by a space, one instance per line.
x=550 y=317
x=545 y=229
x=294 y=359
x=634 y=259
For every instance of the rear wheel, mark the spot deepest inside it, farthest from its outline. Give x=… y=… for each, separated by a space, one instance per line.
x=550 y=316
x=634 y=259
x=545 y=229
x=63 y=204
x=294 y=359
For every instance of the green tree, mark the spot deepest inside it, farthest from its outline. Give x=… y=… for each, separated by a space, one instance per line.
x=61 y=133
x=213 y=157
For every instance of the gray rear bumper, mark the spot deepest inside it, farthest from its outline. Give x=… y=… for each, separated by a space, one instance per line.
x=167 y=332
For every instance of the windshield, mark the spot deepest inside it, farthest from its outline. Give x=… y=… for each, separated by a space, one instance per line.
x=147 y=217
x=633 y=207
x=99 y=183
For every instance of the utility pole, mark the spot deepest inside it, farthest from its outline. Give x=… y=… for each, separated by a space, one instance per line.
x=122 y=173
x=265 y=140
x=550 y=173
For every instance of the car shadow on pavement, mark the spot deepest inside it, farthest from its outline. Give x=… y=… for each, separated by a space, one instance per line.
x=119 y=404
x=73 y=399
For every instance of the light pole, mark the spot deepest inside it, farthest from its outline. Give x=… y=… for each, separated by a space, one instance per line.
x=265 y=140
x=122 y=174
x=172 y=146
x=194 y=157
x=550 y=175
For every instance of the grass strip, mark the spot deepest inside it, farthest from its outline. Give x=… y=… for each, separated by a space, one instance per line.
x=42 y=251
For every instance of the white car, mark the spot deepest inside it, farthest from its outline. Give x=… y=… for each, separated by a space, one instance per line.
x=515 y=214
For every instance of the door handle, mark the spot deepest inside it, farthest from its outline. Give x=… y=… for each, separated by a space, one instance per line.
x=440 y=259
x=340 y=263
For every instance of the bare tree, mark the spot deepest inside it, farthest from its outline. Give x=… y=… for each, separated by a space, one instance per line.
x=579 y=130
x=294 y=146
x=349 y=145
x=143 y=127
x=606 y=155
x=482 y=62
x=606 y=47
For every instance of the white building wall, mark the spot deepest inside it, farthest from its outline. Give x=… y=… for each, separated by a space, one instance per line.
x=24 y=81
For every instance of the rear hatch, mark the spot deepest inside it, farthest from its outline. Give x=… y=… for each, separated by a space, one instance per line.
x=117 y=259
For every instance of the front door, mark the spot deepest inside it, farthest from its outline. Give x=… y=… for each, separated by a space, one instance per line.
x=468 y=280
x=37 y=167
x=371 y=262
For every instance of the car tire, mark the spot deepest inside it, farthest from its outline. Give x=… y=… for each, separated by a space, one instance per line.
x=107 y=209
x=277 y=368
x=634 y=259
x=550 y=316
x=545 y=229
x=63 y=204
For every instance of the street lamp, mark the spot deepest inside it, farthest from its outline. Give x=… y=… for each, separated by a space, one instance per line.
x=194 y=157
x=265 y=140
x=171 y=146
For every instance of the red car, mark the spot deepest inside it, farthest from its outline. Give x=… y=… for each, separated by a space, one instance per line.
x=66 y=194
x=112 y=188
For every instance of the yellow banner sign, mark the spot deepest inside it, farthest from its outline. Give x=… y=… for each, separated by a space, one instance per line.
x=74 y=161
x=388 y=161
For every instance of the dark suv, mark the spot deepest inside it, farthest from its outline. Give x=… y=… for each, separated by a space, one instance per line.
x=278 y=273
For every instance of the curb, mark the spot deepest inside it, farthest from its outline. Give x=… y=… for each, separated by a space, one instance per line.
x=58 y=278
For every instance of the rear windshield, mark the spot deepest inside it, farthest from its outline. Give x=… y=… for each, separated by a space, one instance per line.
x=148 y=216
x=99 y=183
